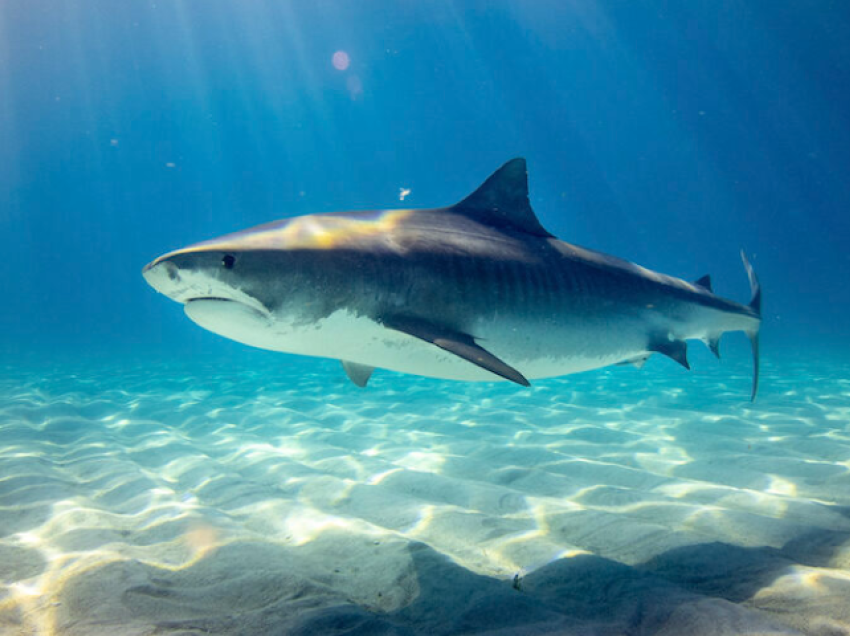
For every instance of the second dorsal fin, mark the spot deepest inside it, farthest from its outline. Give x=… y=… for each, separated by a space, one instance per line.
x=502 y=201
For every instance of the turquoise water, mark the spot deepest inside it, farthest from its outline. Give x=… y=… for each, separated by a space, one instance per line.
x=249 y=496
x=157 y=479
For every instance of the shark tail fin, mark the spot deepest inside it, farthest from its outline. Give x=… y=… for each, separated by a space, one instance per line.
x=753 y=335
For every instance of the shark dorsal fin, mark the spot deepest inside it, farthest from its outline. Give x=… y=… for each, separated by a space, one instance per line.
x=502 y=201
x=704 y=282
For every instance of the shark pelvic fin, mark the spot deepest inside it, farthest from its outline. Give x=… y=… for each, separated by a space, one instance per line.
x=674 y=349
x=502 y=201
x=460 y=344
x=357 y=373
x=704 y=282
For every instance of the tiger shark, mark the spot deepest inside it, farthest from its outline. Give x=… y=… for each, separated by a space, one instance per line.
x=476 y=291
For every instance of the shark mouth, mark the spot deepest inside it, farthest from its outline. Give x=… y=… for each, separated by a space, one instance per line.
x=248 y=303
x=228 y=317
x=199 y=298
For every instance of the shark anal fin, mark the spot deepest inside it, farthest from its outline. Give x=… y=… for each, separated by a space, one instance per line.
x=714 y=345
x=460 y=344
x=674 y=349
x=357 y=373
x=704 y=282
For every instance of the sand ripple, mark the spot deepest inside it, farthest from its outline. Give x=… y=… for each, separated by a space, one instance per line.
x=266 y=495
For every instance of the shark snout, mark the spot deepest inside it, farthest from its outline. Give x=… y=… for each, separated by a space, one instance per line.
x=163 y=276
x=190 y=281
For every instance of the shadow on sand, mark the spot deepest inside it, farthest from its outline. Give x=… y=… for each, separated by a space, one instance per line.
x=260 y=588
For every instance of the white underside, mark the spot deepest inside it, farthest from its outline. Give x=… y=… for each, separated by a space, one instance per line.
x=345 y=336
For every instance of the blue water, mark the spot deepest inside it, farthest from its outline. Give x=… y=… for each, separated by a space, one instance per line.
x=671 y=134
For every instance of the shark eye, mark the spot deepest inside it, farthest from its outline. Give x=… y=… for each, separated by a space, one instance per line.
x=228 y=261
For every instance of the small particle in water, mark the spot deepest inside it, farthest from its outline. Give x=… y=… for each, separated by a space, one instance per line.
x=113 y=142
x=171 y=164
x=340 y=60
x=403 y=192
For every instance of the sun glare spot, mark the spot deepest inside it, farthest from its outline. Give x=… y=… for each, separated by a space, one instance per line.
x=340 y=60
x=422 y=462
x=309 y=524
x=24 y=589
x=28 y=538
x=780 y=486
x=376 y=479
x=201 y=539
x=422 y=522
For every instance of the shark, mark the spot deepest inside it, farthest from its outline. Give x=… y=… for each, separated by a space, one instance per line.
x=476 y=291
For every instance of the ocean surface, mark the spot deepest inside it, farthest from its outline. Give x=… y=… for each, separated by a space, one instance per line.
x=158 y=479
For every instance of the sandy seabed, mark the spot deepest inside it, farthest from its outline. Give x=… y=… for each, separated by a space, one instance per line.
x=272 y=497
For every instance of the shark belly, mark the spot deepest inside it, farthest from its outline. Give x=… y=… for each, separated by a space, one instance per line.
x=539 y=352
x=539 y=345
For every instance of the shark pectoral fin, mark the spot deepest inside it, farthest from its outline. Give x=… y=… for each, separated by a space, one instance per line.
x=674 y=349
x=477 y=355
x=460 y=344
x=357 y=373
x=637 y=361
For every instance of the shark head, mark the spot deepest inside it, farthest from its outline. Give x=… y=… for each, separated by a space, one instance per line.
x=214 y=294
x=230 y=287
x=270 y=286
